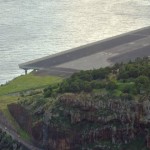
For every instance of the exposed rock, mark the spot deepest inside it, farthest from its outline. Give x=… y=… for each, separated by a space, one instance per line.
x=76 y=121
x=21 y=115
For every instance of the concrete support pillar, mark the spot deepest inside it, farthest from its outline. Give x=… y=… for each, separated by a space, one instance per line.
x=26 y=71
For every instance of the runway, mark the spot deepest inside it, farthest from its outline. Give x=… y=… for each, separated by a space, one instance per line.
x=121 y=48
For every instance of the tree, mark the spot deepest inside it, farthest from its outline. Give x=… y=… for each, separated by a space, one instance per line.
x=142 y=83
x=111 y=85
x=100 y=73
x=87 y=87
x=48 y=91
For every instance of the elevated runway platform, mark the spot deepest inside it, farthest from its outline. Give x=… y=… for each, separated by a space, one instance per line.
x=121 y=48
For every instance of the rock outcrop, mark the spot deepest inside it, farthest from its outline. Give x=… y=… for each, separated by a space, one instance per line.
x=80 y=121
x=22 y=116
x=77 y=121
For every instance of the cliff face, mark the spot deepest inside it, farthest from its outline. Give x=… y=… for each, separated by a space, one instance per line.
x=82 y=121
x=113 y=115
x=22 y=116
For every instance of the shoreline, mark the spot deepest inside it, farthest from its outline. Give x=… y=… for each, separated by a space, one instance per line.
x=107 y=57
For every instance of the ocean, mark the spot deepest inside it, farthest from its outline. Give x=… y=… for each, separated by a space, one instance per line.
x=31 y=29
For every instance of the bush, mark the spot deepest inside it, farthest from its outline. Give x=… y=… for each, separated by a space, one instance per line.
x=142 y=83
x=48 y=91
x=111 y=85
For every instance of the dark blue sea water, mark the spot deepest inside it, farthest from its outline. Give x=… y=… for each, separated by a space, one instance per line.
x=32 y=29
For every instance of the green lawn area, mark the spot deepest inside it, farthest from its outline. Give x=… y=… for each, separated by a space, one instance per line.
x=26 y=82
x=121 y=85
x=22 y=83
x=5 y=100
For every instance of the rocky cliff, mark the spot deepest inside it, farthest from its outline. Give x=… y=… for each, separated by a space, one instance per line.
x=103 y=109
x=88 y=121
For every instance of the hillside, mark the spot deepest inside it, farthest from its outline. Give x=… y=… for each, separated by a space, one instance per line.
x=7 y=143
x=101 y=109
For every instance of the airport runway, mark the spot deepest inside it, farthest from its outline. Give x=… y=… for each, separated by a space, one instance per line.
x=121 y=48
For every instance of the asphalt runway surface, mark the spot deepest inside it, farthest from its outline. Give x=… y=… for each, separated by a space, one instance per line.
x=121 y=48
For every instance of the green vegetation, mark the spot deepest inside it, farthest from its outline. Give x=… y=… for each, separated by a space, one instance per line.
x=21 y=84
x=27 y=82
x=23 y=134
x=5 y=100
x=77 y=106
x=121 y=80
x=7 y=143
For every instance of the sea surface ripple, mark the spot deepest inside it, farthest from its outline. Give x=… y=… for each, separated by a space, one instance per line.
x=31 y=29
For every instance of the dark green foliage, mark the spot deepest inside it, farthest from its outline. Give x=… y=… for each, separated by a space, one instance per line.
x=87 y=87
x=129 y=88
x=51 y=90
x=85 y=80
x=98 y=84
x=48 y=91
x=115 y=79
x=123 y=75
x=111 y=85
x=142 y=83
x=7 y=143
x=101 y=73
x=76 y=85
x=135 y=69
x=82 y=113
x=126 y=96
x=83 y=75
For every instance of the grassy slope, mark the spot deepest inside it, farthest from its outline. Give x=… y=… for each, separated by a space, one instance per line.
x=4 y=101
x=22 y=83
x=26 y=82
